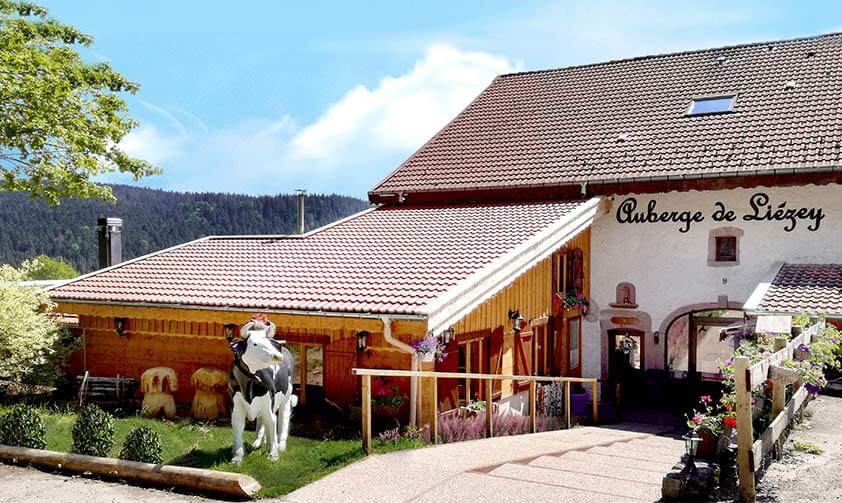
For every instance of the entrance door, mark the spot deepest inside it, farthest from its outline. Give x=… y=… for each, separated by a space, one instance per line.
x=626 y=365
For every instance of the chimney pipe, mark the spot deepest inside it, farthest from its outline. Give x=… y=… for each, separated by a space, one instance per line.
x=109 y=237
x=301 y=193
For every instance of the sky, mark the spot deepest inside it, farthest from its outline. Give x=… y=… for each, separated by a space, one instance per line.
x=265 y=97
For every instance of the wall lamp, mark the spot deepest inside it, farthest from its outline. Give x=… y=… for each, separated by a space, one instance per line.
x=362 y=340
x=230 y=330
x=120 y=325
x=517 y=320
x=447 y=335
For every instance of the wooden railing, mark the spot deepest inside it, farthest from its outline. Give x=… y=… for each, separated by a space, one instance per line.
x=750 y=453
x=433 y=377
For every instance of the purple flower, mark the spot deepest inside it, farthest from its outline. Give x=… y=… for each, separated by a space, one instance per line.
x=812 y=388
x=728 y=362
x=804 y=348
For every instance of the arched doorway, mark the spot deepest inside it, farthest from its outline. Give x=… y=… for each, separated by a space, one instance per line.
x=627 y=357
x=696 y=342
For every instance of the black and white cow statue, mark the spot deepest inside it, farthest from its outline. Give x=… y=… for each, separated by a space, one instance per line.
x=261 y=388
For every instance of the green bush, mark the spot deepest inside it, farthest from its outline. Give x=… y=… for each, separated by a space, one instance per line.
x=93 y=433
x=23 y=427
x=143 y=445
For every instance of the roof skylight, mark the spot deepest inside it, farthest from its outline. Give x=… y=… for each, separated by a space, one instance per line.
x=712 y=105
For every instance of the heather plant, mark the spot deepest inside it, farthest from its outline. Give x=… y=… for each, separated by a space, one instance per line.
x=453 y=428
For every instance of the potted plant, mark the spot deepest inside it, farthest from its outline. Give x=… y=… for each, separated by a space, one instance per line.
x=429 y=349
x=799 y=323
x=387 y=399
x=575 y=300
x=713 y=425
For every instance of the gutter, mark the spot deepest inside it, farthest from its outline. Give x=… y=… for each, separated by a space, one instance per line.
x=413 y=381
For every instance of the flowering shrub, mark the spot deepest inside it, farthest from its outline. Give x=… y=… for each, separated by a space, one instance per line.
x=457 y=429
x=429 y=345
x=387 y=399
x=714 y=417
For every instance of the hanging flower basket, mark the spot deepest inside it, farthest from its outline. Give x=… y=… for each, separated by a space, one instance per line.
x=429 y=349
x=576 y=300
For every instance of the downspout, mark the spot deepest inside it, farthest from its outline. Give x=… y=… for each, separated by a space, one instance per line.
x=413 y=381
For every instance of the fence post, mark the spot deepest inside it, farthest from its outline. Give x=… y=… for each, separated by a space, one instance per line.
x=595 y=401
x=778 y=387
x=366 y=414
x=434 y=423
x=567 y=404
x=533 y=407
x=489 y=393
x=745 y=435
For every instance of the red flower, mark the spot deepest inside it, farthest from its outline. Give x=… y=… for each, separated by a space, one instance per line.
x=730 y=422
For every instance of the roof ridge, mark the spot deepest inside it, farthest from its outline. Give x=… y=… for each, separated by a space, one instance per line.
x=678 y=53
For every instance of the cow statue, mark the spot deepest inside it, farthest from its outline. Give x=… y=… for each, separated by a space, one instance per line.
x=260 y=385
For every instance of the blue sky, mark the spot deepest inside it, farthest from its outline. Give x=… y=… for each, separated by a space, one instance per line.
x=267 y=96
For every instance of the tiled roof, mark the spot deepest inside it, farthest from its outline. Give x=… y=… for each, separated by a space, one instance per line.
x=812 y=288
x=625 y=120
x=394 y=259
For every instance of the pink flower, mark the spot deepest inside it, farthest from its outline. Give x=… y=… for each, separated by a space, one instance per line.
x=697 y=419
x=705 y=399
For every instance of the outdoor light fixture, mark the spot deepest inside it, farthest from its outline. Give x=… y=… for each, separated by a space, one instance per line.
x=517 y=320
x=120 y=325
x=229 y=331
x=447 y=335
x=657 y=337
x=691 y=445
x=362 y=340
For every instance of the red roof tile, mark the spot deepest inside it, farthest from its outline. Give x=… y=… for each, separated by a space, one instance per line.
x=394 y=259
x=626 y=120
x=812 y=288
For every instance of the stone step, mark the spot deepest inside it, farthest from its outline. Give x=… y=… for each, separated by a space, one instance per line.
x=625 y=489
x=662 y=441
x=636 y=452
x=620 y=473
x=661 y=467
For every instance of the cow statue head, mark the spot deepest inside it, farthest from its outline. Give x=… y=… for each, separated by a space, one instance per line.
x=256 y=347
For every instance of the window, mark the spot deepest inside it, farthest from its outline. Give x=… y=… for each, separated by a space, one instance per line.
x=575 y=333
x=726 y=248
x=713 y=105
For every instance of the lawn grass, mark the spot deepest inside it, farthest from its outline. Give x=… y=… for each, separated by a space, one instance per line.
x=201 y=445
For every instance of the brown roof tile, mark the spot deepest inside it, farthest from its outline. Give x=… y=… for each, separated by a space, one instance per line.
x=561 y=127
x=812 y=288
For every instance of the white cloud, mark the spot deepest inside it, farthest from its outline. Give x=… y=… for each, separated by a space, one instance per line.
x=150 y=144
x=352 y=145
x=401 y=113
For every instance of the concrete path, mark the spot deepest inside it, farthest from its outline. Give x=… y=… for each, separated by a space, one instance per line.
x=622 y=463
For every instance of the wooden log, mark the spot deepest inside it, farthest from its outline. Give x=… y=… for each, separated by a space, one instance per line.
x=745 y=435
x=366 y=413
x=210 y=482
x=533 y=407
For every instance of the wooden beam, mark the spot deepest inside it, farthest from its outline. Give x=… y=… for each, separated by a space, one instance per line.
x=533 y=407
x=460 y=375
x=489 y=424
x=434 y=422
x=302 y=377
x=595 y=402
x=745 y=435
x=366 y=413
x=567 y=404
x=467 y=371
x=778 y=384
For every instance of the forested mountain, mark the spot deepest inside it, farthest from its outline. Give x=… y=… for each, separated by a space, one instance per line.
x=152 y=219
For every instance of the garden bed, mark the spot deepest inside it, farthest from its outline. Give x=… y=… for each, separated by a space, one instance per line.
x=201 y=445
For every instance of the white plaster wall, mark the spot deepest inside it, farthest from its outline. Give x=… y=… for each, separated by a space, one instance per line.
x=669 y=269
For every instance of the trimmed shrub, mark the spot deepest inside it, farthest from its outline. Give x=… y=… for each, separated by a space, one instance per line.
x=93 y=433
x=23 y=427
x=143 y=445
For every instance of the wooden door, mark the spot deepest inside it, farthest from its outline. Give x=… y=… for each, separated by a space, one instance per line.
x=339 y=358
x=524 y=344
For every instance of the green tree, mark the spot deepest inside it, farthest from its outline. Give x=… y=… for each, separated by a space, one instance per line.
x=61 y=119
x=29 y=336
x=44 y=267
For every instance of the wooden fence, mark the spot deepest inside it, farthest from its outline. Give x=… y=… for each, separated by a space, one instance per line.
x=432 y=379
x=750 y=453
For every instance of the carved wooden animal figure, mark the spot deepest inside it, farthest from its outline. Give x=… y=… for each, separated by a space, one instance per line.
x=260 y=385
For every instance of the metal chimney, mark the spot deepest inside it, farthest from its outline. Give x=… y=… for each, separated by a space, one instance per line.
x=301 y=193
x=109 y=237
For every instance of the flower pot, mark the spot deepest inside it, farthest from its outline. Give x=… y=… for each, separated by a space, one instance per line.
x=709 y=445
x=427 y=357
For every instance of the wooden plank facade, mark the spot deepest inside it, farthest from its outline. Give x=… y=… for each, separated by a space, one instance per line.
x=186 y=339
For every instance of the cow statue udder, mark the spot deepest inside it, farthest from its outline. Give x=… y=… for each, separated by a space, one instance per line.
x=261 y=388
